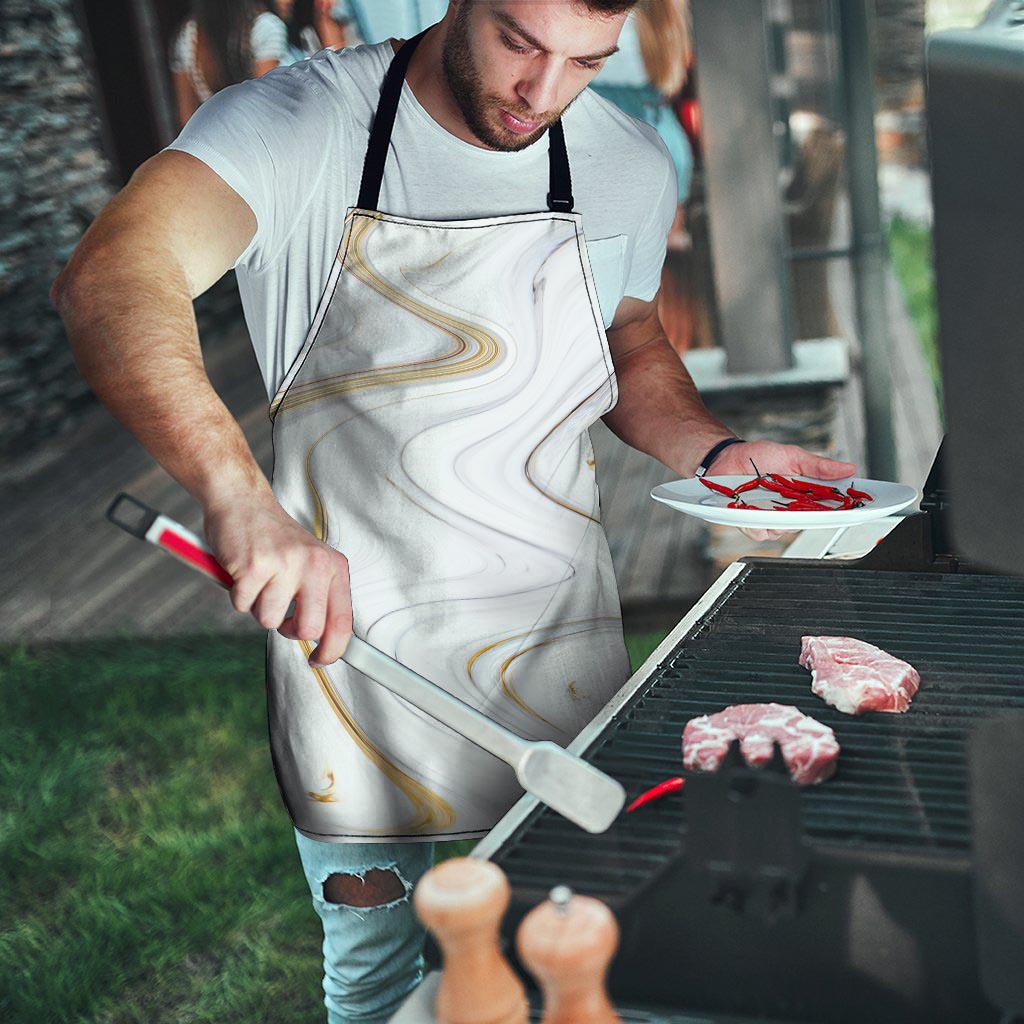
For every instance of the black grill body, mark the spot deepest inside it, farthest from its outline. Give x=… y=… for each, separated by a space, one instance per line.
x=846 y=901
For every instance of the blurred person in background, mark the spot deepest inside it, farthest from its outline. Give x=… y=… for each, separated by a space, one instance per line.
x=647 y=75
x=372 y=21
x=314 y=25
x=223 y=42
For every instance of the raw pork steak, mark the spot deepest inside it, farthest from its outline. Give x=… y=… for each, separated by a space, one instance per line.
x=855 y=677
x=809 y=748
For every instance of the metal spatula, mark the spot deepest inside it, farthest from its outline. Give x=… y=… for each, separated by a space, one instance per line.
x=564 y=782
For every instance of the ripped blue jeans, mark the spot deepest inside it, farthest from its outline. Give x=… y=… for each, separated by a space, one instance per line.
x=372 y=955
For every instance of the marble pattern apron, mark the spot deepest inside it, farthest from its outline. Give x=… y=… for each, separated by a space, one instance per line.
x=434 y=429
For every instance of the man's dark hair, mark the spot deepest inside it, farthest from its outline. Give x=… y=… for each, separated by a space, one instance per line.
x=609 y=6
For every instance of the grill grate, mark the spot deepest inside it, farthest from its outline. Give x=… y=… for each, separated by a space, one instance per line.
x=902 y=779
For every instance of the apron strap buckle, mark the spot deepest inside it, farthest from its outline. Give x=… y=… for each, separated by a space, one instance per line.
x=560 y=204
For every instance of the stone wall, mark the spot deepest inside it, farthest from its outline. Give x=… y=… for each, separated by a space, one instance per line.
x=54 y=178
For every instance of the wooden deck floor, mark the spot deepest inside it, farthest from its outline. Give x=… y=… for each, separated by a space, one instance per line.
x=76 y=576
x=80 y=577
x=73 y=575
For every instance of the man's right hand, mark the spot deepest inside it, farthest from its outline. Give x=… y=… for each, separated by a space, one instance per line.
x=275 y=561
x=126 y=301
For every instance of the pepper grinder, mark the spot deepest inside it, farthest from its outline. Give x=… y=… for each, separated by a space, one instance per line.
x=462 y=902
x=567 y=943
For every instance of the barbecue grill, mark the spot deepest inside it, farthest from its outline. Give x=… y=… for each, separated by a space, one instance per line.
x=744 y=895
x=894 y=892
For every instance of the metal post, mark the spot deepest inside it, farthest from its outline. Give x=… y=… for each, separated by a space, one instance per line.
x=868 y=239
x=748 y=236
x=154 y=66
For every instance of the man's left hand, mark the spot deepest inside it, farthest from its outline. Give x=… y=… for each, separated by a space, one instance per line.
x=771 y=457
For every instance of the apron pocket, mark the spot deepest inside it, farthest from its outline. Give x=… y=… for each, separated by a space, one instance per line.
x=608 y=265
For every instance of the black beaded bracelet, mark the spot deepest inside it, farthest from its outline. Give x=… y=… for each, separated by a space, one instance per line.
x=705 y=463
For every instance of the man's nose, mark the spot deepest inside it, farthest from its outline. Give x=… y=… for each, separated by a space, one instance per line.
x=539 y=89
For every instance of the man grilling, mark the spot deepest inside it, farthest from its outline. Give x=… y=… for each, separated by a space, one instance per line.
x=436 y=333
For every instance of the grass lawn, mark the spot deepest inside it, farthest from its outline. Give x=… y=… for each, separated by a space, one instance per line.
x=149 y=870
x=910 y=247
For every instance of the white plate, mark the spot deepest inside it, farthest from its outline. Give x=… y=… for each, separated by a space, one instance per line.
x=693 y=498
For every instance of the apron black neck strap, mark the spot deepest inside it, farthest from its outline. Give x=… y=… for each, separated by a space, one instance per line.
x=559 y=197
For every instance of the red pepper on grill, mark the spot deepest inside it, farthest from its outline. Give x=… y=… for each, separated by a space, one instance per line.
x=656 y=793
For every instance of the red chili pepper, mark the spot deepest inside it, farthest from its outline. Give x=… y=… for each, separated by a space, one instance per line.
x=788 y=492
x=806 y=505
x=793 y=485
x=863 y=495
x=656 y=793
x=772 y=485
x=808 y=487
x=720 y=488
x=750 y=485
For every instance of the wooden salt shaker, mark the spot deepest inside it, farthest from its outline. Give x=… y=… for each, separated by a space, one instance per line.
x=567 y=943
x=462 y=902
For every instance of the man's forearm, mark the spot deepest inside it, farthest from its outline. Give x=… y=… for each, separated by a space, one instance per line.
x=660 y=411
x=133 y=333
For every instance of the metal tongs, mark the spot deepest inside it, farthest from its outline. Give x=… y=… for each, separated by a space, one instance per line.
x=564 y=782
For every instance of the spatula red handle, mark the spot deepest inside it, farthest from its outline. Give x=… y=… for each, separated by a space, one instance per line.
x=147 y=524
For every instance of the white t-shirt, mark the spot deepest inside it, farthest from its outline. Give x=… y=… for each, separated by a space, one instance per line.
x=292 y=144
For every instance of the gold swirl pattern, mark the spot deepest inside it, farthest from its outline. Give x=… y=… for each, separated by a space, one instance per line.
x=485 y=349
x=319 y=509
x=327 y=796
x=431 y=812
x=506 y=684
x=540 y=445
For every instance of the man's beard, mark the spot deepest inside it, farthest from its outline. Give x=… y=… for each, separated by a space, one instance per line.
x=463 y=80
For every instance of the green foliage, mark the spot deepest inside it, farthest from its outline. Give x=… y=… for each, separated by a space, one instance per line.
x=149 y=869
x=641 y=646
x=910 y=247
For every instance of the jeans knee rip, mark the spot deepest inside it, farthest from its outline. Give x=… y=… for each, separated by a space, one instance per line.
x=361 y=912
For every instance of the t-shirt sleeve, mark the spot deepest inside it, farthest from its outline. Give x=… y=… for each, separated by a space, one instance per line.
x=651 y=241
x=269 y=38
x=269 y=140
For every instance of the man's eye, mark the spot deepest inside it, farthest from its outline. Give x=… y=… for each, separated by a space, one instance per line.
x=514 y=47
x=590 y=65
